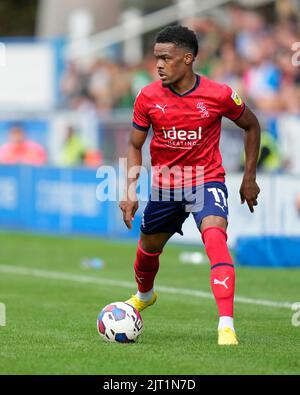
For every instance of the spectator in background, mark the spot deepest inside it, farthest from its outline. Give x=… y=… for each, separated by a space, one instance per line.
x=19 y=149
x=73 y=150
x=93 y=158
x=247 y=49
x=270 y=158
x=76 y=153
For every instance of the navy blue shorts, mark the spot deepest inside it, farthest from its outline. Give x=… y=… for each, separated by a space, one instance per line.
x=166 y=214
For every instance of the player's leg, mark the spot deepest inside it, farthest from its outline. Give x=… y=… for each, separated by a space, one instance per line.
x=154 y=243
x=146 y=266
x=160 y=221
x=213 y=229
x=212 y=222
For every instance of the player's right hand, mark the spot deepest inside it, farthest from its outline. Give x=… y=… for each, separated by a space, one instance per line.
x=129 y=209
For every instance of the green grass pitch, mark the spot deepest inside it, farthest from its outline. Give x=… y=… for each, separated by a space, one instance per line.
x=51 y=323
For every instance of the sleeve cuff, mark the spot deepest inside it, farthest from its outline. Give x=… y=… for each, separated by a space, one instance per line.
x=142 y=128
x=241 y=113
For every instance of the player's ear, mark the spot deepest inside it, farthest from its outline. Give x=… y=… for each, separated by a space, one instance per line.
x=188 y=58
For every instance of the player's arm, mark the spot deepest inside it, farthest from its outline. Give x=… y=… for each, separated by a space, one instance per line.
x=129 y=203
x=249 y=189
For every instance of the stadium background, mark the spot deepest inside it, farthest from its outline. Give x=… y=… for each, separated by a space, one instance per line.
x=69 y=75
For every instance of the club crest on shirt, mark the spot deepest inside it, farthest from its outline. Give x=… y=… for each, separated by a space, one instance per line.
x=236 y=98
x=202 y=109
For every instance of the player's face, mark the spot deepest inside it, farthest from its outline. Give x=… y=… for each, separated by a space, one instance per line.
x=171 y=62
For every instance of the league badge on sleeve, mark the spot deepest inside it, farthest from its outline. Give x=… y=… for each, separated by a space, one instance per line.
x=236 y=98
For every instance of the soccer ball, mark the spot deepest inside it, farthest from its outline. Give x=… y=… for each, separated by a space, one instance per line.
x=119 y=322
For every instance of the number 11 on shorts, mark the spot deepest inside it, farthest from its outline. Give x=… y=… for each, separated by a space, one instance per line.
x=219 y=196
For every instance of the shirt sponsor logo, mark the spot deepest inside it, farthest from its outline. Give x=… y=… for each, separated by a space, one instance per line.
x=182 y=139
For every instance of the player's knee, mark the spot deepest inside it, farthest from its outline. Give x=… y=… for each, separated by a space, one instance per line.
x=213 y=221
x=151 y=243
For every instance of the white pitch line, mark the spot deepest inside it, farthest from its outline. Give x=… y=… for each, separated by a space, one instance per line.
x=51 y=275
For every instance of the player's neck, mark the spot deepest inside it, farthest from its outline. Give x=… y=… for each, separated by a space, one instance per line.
x=186 y=84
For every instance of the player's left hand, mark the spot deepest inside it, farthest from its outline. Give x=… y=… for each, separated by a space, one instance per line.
x=249 y=191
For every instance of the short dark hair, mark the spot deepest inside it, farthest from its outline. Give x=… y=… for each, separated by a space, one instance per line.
x=180 y=36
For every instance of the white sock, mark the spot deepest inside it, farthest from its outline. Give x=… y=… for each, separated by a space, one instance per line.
x=226 y=322
x=145 y=296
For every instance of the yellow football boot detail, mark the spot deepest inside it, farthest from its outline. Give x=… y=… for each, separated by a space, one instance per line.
x=227 y=337
x=139 y=304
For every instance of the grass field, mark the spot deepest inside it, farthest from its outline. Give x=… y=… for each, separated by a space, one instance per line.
x=51 y=319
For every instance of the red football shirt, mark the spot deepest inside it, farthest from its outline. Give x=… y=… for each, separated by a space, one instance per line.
x=186 y=129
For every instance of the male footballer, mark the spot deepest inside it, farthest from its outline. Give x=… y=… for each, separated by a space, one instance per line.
x=185 y=111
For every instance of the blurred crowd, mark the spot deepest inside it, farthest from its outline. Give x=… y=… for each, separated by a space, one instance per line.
x=19 y=148
x=253 y=52
x=245 y=50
